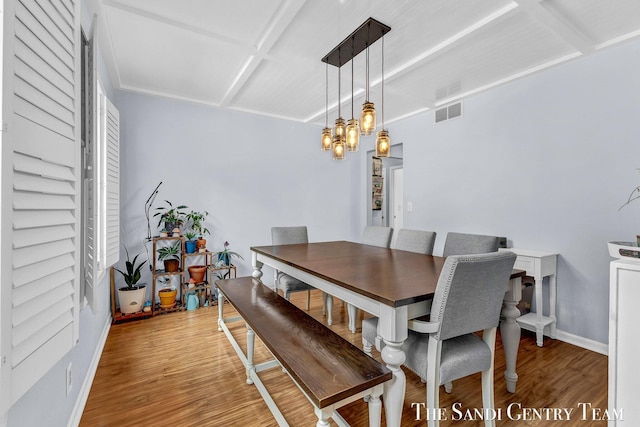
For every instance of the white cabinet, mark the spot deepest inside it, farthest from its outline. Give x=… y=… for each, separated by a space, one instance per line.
x=624 y=345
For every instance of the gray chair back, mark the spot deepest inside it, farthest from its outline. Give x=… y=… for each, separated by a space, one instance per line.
x=469 y=293
x=415 y=241
x=289 y=235
x=465 y=244
x=377 y=236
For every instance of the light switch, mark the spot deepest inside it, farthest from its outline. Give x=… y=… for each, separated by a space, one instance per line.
x=409 y=206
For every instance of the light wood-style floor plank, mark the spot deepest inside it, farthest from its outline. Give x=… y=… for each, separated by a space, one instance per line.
x=178 y=370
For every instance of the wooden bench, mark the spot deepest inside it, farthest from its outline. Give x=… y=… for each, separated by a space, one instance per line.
x=329 y=370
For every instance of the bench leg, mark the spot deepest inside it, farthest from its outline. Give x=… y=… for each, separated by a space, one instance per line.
x=323 y=416
x=375 y=408
x=250 y=346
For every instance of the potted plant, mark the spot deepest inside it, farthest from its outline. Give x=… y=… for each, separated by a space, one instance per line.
x=190 y=243
x=167 y=294
x=131 y=297
x=197 y=218
x=172 y=216
x=170 y=255
x=225 y=256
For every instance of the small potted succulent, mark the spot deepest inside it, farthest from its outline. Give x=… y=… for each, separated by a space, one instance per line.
x=172 y=216
x=131 y=297
x=225 y=256
x=190 y=244
x=170 y=255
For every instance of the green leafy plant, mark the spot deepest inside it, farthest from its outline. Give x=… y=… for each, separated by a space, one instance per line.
x=132 y=276
x=171 y=214
x=190 y=235
x=169 y=252
x=225 y=256
x=196 y=220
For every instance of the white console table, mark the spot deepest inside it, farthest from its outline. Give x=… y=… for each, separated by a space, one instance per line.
x=539 y=264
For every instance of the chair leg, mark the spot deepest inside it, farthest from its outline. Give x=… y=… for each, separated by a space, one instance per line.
x=366 y=347
x=489 y=337
x=433 y=381
x=448 y=387
x=308 y=299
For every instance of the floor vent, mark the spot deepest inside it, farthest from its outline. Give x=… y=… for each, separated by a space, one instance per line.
x=449 y=112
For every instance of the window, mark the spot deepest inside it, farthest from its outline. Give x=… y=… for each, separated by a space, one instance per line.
x=100 y=189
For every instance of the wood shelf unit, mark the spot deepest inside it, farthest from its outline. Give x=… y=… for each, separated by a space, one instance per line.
x=157 y=273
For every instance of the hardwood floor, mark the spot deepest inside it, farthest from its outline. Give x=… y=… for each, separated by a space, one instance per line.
x=178 y=370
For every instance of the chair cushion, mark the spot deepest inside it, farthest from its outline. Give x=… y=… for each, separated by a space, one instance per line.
x=461 y=356
x=290 y=284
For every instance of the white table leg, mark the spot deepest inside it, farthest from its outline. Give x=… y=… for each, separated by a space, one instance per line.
x=394 y=389
x=352 y=312
x=257 y=266
x=328 y=303
x=552 y=305
x=539 y=306
x=510 y=331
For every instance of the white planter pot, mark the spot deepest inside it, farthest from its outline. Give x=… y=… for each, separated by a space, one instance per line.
x=131 y=301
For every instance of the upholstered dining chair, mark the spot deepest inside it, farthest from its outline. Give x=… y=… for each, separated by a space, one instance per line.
x=376 y=235
x=418 y=241
x=282 y=281
x=465 y=244
x=468 y=299
x=373 y=235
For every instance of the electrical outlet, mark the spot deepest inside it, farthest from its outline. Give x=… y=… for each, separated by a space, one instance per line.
x=69 y=382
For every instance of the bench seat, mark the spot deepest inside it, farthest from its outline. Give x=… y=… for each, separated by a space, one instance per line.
x=327 y=368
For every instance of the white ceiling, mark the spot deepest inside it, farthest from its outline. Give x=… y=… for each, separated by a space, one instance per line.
x=264 y=56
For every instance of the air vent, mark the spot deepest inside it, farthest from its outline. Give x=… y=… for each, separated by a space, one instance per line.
x=449 y=112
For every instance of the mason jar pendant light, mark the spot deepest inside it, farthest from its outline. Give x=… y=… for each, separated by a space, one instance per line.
x=368 y=115
x=326 y=139
x=353 y=128
x=339 y=130
x=383 y=143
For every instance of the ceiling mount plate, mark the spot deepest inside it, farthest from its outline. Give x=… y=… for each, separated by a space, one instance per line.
x=365 y=35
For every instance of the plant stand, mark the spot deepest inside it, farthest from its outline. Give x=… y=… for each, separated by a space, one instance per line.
x=116 y=315
x=157 y=273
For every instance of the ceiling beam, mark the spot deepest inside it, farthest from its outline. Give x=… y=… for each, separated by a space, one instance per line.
x=558 y=24
x=278 y=25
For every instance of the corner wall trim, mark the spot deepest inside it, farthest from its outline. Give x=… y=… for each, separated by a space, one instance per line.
x=83 y=396
x=585 y=343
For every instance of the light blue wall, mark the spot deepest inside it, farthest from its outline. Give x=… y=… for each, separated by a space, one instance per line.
x=545 y=161
x=249 y=172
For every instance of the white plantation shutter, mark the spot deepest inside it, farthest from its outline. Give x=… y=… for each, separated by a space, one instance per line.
x=40 y=190
x=111 y=179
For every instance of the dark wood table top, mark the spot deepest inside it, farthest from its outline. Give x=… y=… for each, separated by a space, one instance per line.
x=390 y=276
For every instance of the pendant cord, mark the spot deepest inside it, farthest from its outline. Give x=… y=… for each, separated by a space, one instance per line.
x=339 y=92
x=382 y=83
x=352 y=61
x=326 y=99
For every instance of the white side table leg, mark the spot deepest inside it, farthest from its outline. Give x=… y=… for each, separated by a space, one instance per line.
x=539 y=307
x=352 y=312
x=375 y=407
x=394 y=389
x=552 y=305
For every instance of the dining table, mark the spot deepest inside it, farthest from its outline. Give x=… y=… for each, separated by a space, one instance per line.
x=394 y=285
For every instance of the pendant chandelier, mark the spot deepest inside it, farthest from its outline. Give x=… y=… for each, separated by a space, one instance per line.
x=346 y=136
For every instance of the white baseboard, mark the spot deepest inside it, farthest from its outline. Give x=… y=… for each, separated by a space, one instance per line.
x=586 y=343
x=78 y=409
